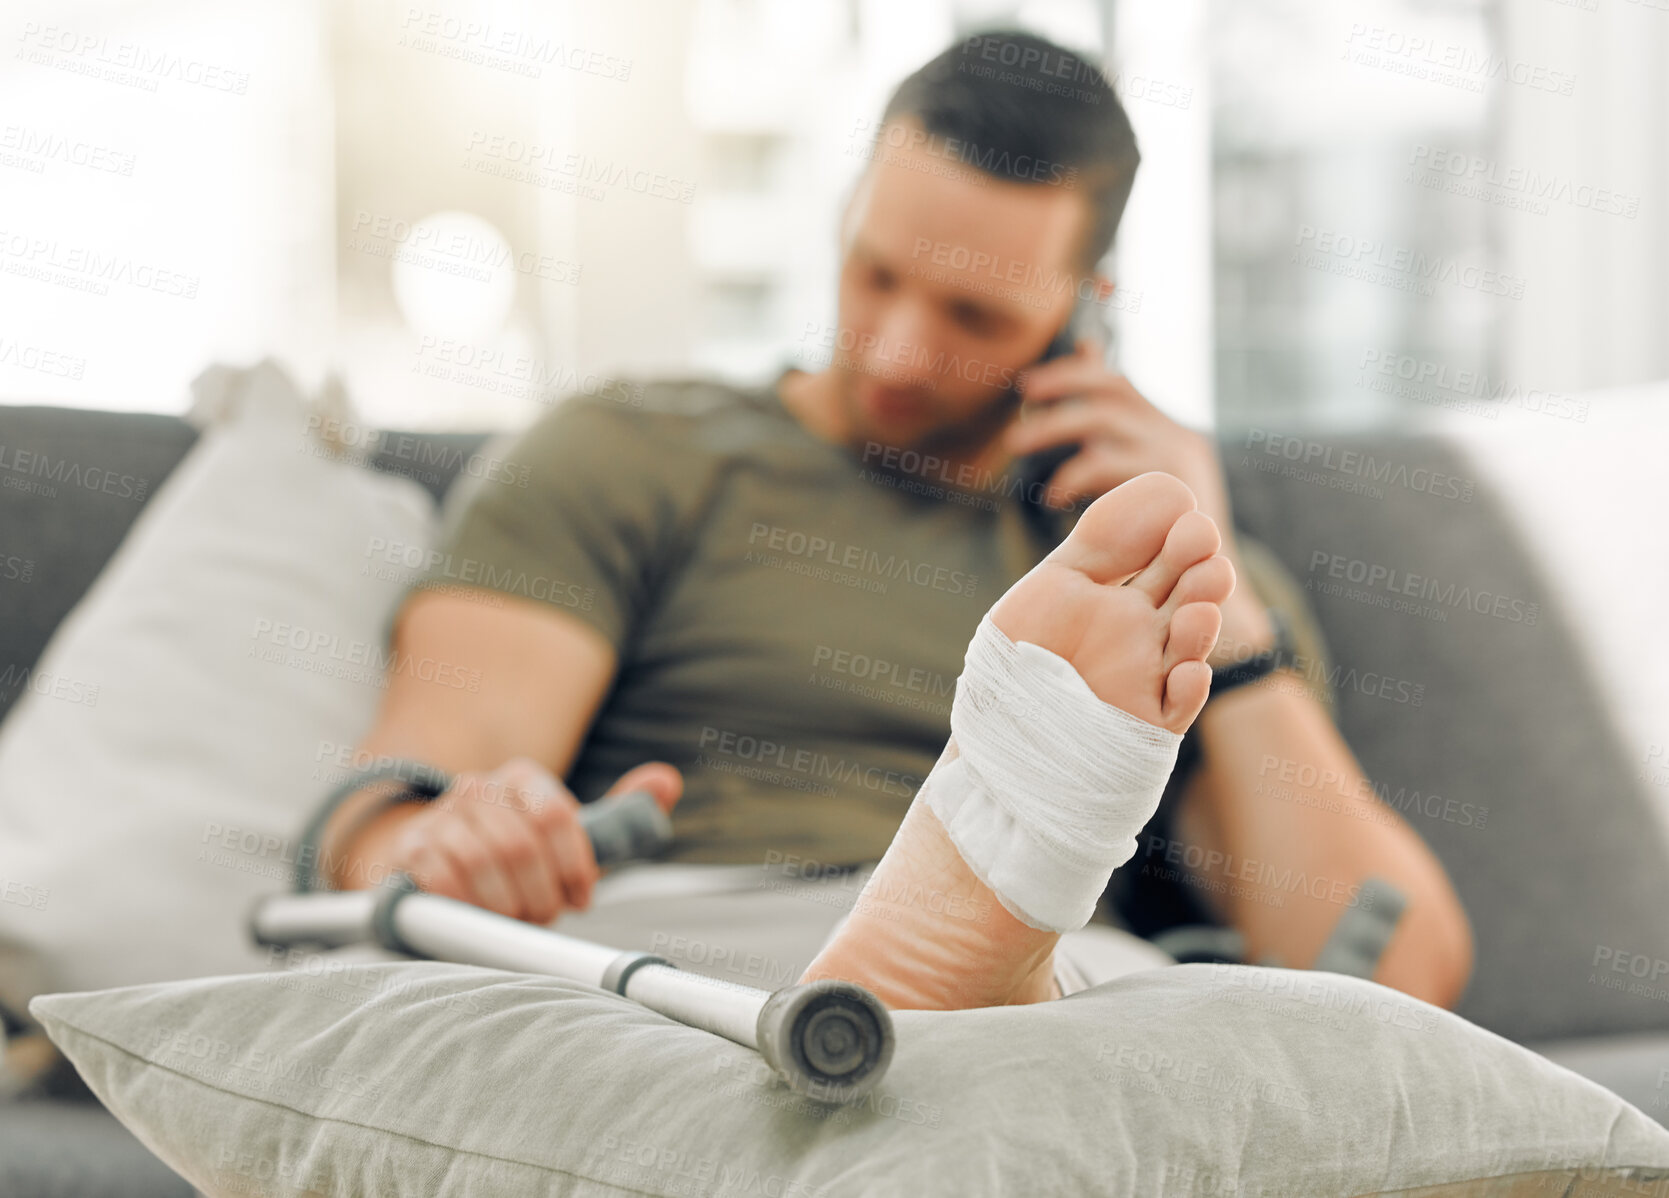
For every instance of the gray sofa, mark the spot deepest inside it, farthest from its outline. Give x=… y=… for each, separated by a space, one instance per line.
x=1568 y=868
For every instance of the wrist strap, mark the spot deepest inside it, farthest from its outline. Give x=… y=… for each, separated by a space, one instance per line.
x=419 y=781
x=1259 y=665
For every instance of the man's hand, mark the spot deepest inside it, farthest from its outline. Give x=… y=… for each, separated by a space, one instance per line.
x=1077 y=399
x=511 y=840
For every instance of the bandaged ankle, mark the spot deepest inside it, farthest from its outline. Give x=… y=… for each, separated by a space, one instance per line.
x=1047 y=784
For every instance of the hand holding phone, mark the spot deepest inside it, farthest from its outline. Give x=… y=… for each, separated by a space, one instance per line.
x=1036 y=469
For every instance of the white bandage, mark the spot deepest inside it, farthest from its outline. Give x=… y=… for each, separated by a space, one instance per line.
x=1048 y=784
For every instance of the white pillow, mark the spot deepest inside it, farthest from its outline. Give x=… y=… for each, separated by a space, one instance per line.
x=433 y=1080
x=149 y=799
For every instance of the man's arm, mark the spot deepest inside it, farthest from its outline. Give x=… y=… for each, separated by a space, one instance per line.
x=1291 y=841
x=542 y=677
x=1259 y=840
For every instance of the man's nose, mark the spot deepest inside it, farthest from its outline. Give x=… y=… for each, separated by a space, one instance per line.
x=903 y=344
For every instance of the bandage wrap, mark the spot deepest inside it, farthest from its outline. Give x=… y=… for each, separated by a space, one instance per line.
x=1048 y=784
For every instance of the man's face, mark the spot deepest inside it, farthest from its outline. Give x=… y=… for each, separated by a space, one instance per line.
x=951 y=283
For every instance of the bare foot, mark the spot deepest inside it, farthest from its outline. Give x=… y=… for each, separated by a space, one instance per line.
x=1131 y=598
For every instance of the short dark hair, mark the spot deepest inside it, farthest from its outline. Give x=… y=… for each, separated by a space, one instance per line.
x=1013 y=104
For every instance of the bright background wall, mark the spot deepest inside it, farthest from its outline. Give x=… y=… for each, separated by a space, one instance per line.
x=437 y=200
x=180 y=182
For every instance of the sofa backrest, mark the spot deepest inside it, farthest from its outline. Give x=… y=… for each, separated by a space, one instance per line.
x=1483 y=729
x=1567 y=872
x=71 y=485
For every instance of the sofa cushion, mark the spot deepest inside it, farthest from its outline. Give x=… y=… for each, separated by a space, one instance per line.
x=78 y=1150
x=1635 y=1068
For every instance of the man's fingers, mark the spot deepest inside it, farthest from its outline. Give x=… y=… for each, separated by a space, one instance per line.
x=435 y=874
x=553 y=816
x=576 y=864
x=1064 y=422
x=660 y=778
x=1092 y=473
x=528 y=775
x=524 y=857
x=464 y=847
x=510 y=841
x=552 y=811
x=1076 y=374
x=523 y=785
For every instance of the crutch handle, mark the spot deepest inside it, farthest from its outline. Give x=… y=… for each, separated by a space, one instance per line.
x=625 y=827
x=622 y=827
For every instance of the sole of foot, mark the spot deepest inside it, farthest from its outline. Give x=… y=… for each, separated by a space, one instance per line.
x=1131 y=598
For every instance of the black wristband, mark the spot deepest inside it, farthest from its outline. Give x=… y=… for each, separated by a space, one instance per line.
x=1259 y=665
x=419 y=783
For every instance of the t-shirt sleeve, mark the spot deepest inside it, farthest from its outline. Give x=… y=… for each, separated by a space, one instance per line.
x=577 y=512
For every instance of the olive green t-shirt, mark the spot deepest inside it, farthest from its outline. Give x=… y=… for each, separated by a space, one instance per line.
x=790 y=616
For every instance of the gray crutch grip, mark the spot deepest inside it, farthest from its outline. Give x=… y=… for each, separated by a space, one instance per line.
x=625 y=827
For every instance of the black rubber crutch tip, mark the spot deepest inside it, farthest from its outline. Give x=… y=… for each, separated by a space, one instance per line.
x=832 y=1040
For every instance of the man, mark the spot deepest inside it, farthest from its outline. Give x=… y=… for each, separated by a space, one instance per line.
x=754 y=603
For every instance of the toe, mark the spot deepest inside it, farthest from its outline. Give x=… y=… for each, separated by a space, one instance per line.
x=1186 y=689
x=1210 y=581
x=1193 y=633
x=1125 y=529
x=1192 y=539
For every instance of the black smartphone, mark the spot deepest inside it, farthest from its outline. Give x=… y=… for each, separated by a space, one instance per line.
x=1036 y=469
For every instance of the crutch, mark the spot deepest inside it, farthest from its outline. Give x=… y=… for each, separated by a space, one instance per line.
x=831 y=1040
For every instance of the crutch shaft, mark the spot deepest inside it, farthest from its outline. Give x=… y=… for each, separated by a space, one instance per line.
x=829 y=1039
